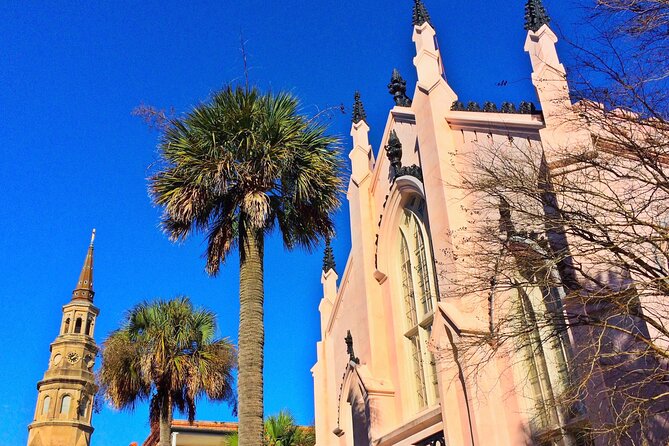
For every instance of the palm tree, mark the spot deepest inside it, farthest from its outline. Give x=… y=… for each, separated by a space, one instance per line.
x=236 y=168
x=165 y=352
x=280 y=430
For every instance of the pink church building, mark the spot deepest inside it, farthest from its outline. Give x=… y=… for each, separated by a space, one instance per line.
x=388 y=370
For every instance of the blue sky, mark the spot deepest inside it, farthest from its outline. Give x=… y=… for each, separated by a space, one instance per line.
x=73 y=157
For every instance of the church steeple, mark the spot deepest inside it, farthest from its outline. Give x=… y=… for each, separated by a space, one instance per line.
x=84 y=289
x=65 y=395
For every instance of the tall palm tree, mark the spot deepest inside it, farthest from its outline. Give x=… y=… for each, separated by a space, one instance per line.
x=165 y=352
x=235 y=168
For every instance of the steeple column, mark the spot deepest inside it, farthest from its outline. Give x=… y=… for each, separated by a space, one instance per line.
x=431 y=104
x=564 y=129
x=363 y=233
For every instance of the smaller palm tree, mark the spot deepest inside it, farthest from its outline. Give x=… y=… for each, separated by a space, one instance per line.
x=165 y=352
x=280 y=430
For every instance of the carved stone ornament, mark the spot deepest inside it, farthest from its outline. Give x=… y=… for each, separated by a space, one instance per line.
x=349 y=348
x=394 y=151
x=398 y=88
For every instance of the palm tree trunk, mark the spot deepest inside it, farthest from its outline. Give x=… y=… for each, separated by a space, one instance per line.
x=165 y=422
x=251 y=341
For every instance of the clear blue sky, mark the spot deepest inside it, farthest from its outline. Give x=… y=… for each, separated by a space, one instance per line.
x=73 y=157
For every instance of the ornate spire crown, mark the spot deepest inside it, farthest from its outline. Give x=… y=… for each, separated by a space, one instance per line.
x=84 y=289
x=420 y=14
x=358 y=109
x=535 y=15
x=328 y=257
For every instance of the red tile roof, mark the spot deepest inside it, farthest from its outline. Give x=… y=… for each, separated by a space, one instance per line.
x=222 y=427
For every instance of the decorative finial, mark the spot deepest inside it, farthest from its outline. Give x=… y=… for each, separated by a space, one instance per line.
x=535 y=15
x=473 y=106
x=508 y=107
x=458 y=106
x=527 y=108
x=394 y=152
x=398 y=88
x=358 y=109
x=349 y=348
x=490 y=107
x=328 y=257
x=93 y=237
x=420 y=14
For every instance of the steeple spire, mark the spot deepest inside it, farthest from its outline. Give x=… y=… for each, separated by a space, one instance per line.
x=535 y=15
x=420 y=14
x=84 y=289
x=358 y=109
x=328 y=257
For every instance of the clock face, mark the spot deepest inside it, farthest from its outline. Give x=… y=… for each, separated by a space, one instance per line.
x=90 y=361
x=72 y=357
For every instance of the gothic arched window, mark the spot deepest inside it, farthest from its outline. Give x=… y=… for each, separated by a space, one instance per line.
x=65 y=405
x=46 y=404
x=417 y=279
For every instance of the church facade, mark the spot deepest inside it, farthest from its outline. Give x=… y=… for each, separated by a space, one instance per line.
x=388 y=368
x=66 y=393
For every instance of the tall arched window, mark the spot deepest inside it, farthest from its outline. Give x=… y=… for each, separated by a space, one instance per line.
x=77 y=325
x=88 y=327
x=419 y=295
x=65 y=405
x=46 y=404
x=66 y=328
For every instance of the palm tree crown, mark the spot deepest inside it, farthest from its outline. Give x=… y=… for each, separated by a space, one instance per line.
x=243 y=163
x=165 y=352
x=235 y=168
